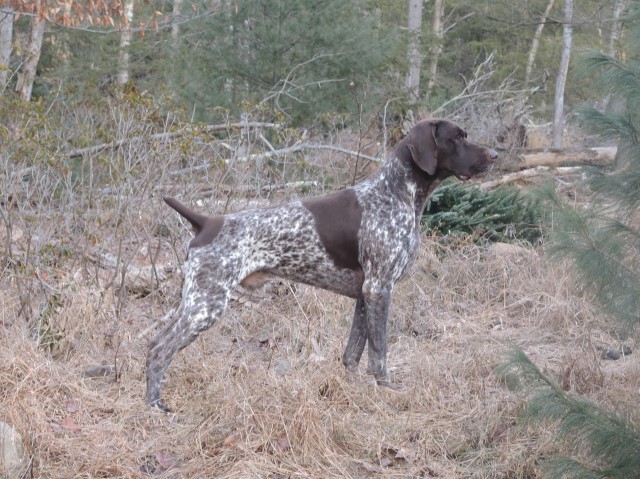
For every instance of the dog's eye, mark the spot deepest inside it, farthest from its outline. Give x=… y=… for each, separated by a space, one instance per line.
x=460 y=136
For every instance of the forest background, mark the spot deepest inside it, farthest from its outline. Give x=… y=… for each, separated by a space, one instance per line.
x=315 y=63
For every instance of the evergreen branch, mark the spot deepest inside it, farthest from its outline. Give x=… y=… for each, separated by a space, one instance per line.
x=619 y=228
x=615 y=76
x=601 y=257
x=609 y=438
x=620 y=263
x=498 y=215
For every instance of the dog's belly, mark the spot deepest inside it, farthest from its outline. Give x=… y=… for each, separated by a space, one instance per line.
x=346 y=282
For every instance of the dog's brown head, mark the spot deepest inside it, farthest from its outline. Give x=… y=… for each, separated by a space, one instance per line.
x=440 y=147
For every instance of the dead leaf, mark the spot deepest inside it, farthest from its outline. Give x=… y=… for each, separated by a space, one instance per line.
x=281 y=445
x=401 y=454
x=71 y=405
x=230 y=441
x=368 y=467
x=166 y=460
x=392 y=455
x=69 y=423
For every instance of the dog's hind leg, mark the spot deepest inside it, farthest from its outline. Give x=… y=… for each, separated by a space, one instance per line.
x=177 y=335
x=201 y=305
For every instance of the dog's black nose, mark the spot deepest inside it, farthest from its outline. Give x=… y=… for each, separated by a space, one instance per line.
x=493 y=155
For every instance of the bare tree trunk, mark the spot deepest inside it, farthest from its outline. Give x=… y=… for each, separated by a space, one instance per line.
x=175 y=27
x=6 y=40
x=412 y=81
x=438 y=32
x=28 y=73
x=125 y=42
x=616 y=27
x=610 y=102
x=535 y=43
x=561 y=80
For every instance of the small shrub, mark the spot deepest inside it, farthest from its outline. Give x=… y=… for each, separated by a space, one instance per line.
x=501 y=215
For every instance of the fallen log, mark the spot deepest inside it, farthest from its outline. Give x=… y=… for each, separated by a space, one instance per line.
x=555 y=157
x=530 y=173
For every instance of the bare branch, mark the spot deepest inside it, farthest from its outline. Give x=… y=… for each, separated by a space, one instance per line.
x=296 y=147
x=286 y=86
x=166 y=136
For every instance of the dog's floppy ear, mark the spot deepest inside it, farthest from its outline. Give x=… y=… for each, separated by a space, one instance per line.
x=423 y=145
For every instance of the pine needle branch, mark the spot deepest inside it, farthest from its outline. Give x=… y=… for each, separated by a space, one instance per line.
x=611 y=441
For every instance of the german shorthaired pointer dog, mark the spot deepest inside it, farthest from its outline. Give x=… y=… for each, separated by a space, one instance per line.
x=357 y=242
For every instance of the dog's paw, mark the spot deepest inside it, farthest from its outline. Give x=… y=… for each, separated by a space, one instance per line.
x=158 y=404
x=388 y=384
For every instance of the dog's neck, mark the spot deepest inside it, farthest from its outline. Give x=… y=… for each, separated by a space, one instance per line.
x=403 y=178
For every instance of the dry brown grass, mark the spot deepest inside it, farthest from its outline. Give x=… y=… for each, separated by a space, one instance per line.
x=263 y=393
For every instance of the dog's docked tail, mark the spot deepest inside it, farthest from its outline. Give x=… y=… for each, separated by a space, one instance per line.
x=197 y=220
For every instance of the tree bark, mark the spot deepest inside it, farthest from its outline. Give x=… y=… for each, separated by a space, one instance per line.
x=535 y=43
x=27 y=75
x=412 y=81
x=6 y=40
x=561 y=80
x=438 y=32
x=612 y=103
x=554 y=157
x=125 y=42
x=616 y=27
x=175 y=27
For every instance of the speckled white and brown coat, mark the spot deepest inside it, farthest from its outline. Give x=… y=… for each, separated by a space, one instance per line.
x=357 y=242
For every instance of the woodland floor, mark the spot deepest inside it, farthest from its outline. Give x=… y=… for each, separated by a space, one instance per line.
x=263 y=394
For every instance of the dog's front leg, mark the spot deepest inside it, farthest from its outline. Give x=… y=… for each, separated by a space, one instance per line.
x=357 y=337
x=377 y=300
